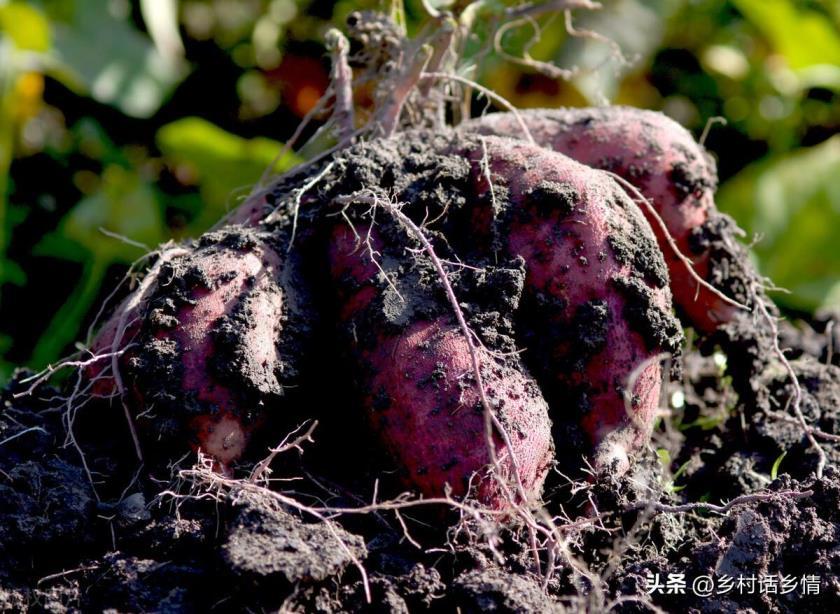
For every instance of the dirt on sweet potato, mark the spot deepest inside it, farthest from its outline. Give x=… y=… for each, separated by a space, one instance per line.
x=413 y=370
x=596 y=320
x=211 y=352
x=675 y=173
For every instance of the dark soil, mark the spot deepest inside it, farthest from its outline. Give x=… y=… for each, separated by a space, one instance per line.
x=61 y=550
x=148 y=540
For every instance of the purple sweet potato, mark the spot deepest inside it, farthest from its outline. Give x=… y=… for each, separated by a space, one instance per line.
x=596 y=318
x=415 y=378
x=664 y=162
x=556 y=255
x=211 y=349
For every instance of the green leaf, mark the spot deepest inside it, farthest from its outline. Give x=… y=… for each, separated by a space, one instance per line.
x=107 y=57
x=124 y=205
x=397 y=12
x=66 y=323
x=774 y=470
x=682 y=468
x=820 y=75
x=803 y=36
x=705 y=423
x=792 y=201
x=223 y=163
x=665 y=460
x=11 y=273
x=26 y=26
x=664 y=457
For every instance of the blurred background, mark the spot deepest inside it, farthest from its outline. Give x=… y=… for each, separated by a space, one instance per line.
x=148 y=119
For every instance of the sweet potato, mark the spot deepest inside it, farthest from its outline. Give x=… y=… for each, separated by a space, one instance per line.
x=209 y=353
x=415 y=378
x=208 y=359
x=596 y=315
x=662 y=160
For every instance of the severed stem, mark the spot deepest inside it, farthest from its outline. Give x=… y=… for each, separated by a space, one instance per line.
x=487 y=92
x=342 y=82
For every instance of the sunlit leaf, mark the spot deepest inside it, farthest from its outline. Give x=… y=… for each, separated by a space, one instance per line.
x=705 y=423
x=804 y=36
x=109 y=58
x=223 y=164
x=397 y=13
x=161 y=19
x=792 y=202
x=774 y=470
x=26 y=26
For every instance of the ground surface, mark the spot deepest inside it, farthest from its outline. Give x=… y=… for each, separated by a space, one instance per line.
x=62 y=550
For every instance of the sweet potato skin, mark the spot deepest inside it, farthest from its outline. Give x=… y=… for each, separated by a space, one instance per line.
x=211 y=361
x=419 y=396
x=662 y=160
x=597 y=315
x=208 y=354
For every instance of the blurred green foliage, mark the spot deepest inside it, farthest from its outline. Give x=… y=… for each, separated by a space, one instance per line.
x=124 y=123
x=791 y=202
x=219 y=163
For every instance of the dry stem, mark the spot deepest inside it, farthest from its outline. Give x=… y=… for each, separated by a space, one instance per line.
x=21 y=433
x=342 y=82
x=487 y=92
x=702 y=506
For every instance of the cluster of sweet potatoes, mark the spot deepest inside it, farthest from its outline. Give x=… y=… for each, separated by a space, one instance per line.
x=497 y=298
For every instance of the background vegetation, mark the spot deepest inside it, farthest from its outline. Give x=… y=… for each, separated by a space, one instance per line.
x=147 y=119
